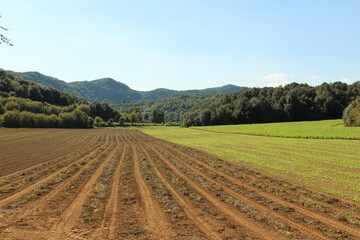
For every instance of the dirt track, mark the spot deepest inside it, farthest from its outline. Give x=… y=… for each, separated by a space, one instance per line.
x=123 y=184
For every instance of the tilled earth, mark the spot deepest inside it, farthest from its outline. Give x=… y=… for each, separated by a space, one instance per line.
x=123 y=184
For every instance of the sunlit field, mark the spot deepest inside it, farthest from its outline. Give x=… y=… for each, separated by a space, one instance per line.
x=328 y=129
x=330 y=165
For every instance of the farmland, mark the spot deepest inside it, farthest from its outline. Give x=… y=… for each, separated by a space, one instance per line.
x=329 y=165
x=123 y=184
x=326 y=129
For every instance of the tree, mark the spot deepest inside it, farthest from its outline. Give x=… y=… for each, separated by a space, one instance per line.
x=98 y=121
x=146 y=117
x=139 y=117
x=294 y=102
x=205 y=117
x=11 y=119
x=11 y=106
x=122 y=121
x=4 y=39
x=132 y=117
x=110 y=123
x=351 y=114
x=157 y=116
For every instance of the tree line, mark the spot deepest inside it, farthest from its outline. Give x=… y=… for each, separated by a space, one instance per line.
x=293 y=102
x=171 y=107
x=26 y=104
x=13 y=86
x=22 y=112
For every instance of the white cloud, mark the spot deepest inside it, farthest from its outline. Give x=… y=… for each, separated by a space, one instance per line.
x=275 y=77
x=278 y=84
x=345 y=80
x=315 y=77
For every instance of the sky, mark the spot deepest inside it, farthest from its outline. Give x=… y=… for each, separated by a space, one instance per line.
x=184 y=44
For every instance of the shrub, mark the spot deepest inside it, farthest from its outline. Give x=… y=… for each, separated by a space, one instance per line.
x=98 y=121
x=11 y=119
x=351 y=115
x=11 y=106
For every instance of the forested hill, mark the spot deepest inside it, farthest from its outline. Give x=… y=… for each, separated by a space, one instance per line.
x=172 y=107
x=25 y=103
x=110 y=91
x=294 y=102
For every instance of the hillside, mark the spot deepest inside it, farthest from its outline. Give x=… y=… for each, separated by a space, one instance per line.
x=173 y=107
x=111 y=91
x=26 y=104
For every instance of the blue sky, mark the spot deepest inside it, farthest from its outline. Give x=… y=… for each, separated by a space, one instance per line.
x=185 y=44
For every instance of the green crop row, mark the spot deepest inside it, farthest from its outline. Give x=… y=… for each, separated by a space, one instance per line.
x=326 y=129
x=330 y=165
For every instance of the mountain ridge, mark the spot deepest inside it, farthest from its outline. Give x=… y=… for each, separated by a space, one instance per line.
x=111 y=91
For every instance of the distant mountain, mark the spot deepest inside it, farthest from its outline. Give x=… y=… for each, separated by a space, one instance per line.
x=110 y=91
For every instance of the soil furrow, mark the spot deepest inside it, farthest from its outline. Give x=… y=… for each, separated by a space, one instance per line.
x=321 y=218
x=191 y=212
x=293 y=225
x=40 y=182
x=73 y=211
x=303 y=196
x=44 y=155
x=110 y=217
x=229 y=211
x=131 y=218
x=156 y=221
x=26 y=177
x=123 y=184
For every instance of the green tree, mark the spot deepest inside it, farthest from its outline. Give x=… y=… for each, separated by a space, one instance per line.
x=28 y=120
x=157 y=116
x=146 y=117
x=122 y=121
x=139 y=117
x=351 y=116
x=12 y=105
x=110 y=123
x=11 y=119
x=85 y=108
x=98 y=121
x=132 y=117
x=90 y=122
x=54 y=121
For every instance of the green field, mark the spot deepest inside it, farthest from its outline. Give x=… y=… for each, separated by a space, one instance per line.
x=331 y=165
x=328 y=129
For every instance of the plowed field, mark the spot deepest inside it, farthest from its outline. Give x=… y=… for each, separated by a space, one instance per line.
x=123 y=184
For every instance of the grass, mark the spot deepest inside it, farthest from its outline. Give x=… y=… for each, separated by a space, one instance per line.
x=327 y=129
x=330 y=165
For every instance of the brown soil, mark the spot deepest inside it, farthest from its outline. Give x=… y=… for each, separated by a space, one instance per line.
x=123 y=184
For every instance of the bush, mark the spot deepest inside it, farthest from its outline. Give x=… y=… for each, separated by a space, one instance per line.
x=99 y=122
x=75 y=119
x=11 y=106
x=351 y=115
x=11 y=119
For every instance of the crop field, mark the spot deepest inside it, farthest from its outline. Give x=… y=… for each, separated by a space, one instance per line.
x=328 y=165
x=124 y=184
x=326 y=129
